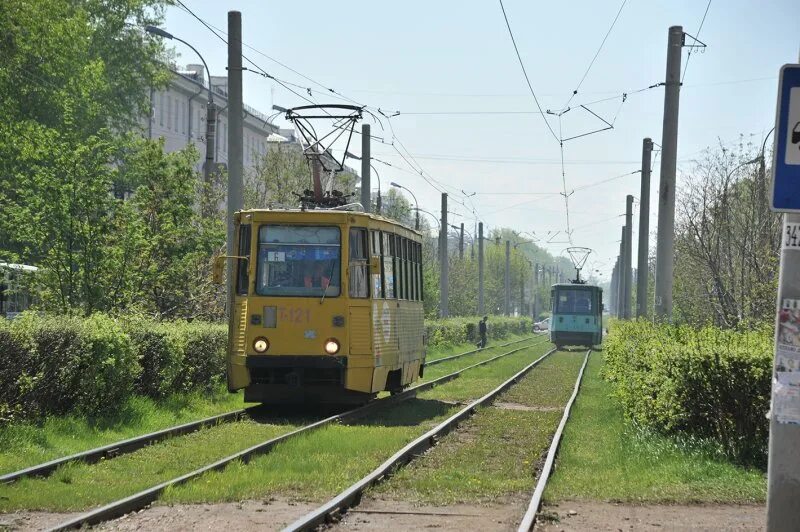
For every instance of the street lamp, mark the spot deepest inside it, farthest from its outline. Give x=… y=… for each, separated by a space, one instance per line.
x=378 y=202
x=397 y=185
x=211 y=109
x=435 y=218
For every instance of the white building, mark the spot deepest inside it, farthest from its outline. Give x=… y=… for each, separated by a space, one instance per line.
x=178 y=114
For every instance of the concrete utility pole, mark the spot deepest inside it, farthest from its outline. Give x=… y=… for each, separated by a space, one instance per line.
x=612 y=295
x=508 y=279
x=461 y=242
x=626 y=310
x=642 y=268
x=535 y=289
x=621 y=276
x=235 y=138
x=444 y=263
x=366 y=158
x=480 y=269
x=665 y=254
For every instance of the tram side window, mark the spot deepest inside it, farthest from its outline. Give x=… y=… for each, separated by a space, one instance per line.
x=242 y=273
x=359 y=265
x=401 y=262
x=388 y=266
x=377 y=276
x=417 y=274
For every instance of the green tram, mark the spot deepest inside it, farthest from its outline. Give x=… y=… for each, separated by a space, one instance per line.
x=577 y=314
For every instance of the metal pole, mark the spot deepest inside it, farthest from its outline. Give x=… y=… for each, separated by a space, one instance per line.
x=626 y=310
x=508 y=278
x=783 y=470
x=642 y=269
x=461 y=242
x=235 y=134
x=444 y=272
x=366 y=156
x=666 y=193
x=480 y=269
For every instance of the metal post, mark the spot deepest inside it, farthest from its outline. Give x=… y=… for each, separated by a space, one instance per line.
x=444 y=265
x=366 y=157
x=783 y=470
x=666 y=193
x=480 y=269
x=235 y=134
x=461 y=242
x=508 y=278
x=626 y=309
x=643 y=271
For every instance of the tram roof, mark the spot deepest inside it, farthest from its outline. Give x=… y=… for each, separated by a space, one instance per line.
x=576 y=285
x=332 y=213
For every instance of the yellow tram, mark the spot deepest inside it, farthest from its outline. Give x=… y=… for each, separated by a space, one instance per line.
x=328 y=306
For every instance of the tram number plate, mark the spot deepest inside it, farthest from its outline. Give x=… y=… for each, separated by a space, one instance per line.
x=791 y=236
x=294 y=315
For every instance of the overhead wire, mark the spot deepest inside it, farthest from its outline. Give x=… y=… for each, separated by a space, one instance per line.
x=699 y=29
x=525 y=73
x=599 y=49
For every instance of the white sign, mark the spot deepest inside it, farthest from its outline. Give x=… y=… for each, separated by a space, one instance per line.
x=791 y=236
x=793 y=128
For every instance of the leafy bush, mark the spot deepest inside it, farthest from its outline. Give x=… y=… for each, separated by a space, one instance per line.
x=58 y=364
x=53 y=365
x=703 y=383
x=453 y=331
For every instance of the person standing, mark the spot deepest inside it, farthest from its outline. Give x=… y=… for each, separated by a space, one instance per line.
x=482 y=331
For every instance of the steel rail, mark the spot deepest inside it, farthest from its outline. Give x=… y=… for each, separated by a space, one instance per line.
x=529 y=518
x=115 y=449
x=350 y=497
x=112 y=450
x=143 y=498
x=459 y=355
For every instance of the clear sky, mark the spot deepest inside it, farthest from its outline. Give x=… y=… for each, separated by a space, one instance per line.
x=417 y=56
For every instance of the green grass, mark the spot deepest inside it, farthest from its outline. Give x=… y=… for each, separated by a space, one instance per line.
x=603 y=458
x=321 y=464
x=78 y=486
x=26 y=444
x=445 y=351
x=29 y=443
x=315 y=465
x=496 y=453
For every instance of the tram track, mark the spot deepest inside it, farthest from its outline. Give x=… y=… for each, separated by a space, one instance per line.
x=129 y=445
x=332 y=510
x=145 y=497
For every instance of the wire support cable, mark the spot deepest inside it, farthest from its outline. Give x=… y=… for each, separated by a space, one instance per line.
x=525 y=73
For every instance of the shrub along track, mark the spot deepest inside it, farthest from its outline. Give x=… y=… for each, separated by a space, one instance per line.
x=147 y=496
x=115 y=449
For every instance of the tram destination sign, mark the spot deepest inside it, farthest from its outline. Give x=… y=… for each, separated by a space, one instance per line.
x=786 y=159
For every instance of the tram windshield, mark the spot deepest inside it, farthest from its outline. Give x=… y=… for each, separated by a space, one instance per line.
x=573 y=301
x=299 y=261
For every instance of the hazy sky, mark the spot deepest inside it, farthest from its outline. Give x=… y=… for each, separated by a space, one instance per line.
x=446 y=56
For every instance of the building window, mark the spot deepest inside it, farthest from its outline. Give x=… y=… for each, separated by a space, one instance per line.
x=160 y=108
x=169 y=112
x=177 y=118
x=183 y=117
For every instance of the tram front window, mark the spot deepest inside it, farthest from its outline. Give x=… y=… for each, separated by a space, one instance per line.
x=574 y=302
x=299 y=261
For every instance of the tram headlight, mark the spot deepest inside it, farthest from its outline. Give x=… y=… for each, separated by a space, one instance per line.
x=261 y=344
x=331 y=346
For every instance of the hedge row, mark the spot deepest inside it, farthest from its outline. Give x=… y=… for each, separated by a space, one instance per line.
x=55 y=365
x=454 y=331
x=709 y=384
